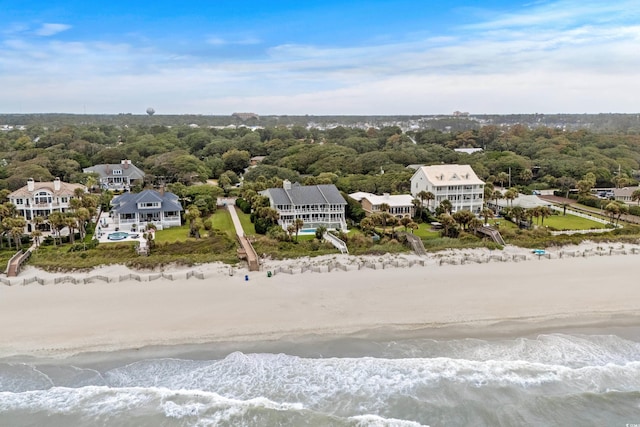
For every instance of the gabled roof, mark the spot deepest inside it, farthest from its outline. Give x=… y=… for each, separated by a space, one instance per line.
x=306 y=195
x=128 y=202
x=450 y=175
x=105 y=170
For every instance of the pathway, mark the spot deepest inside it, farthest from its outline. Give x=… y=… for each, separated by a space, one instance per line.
x=247 y=247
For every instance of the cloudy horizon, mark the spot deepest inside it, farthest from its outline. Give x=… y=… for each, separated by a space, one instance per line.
x=353 y=58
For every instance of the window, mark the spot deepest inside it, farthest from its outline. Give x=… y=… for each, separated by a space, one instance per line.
x=117 y=171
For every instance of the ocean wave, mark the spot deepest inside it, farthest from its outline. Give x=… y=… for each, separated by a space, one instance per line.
x=521 y=376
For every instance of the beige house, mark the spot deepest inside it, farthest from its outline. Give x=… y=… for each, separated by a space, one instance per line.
x=40 y=199
x=400 y=205
x=457 y=183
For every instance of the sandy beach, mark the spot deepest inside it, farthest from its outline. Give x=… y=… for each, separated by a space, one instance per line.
x=593 y=285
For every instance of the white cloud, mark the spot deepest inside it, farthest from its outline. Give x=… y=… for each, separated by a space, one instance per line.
x=51 y=29
x=507 y=64
x=221 y=41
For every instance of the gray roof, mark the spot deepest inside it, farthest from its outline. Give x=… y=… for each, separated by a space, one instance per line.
x=106 y=170
x=307 y=195
x=128 y=202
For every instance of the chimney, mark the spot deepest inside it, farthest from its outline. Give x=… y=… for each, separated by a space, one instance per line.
x=386 y=196
x=31 y=185
x=286 y=184
x=56 y=184
x=125 y=163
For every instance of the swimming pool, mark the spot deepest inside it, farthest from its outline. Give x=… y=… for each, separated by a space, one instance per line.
x=119 y=235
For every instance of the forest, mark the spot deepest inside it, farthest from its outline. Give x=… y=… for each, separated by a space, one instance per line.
x=372 y=160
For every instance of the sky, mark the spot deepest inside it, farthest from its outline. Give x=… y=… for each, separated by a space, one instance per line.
x=325 y=57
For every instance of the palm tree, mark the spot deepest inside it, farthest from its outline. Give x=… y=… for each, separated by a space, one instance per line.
x=35 y=235
x=56 y=220
x=544 y=212
x=298 y=223
x=82 y=214
x=496 y=196
x=511 y=194
x=463 y=218
x=635 y=196
x=475 y=223
x=446 y=206
x=426 y=195
x=417 y=206
x=384 y=208
x=447 y=222
x=17 y=231
x=502 y=177
x=486 y=213
x=291 y=229
x=613 y=209
x=71 y=222
x=405 y=221
x=367 y=224
x=192 y=215
x=320 y=230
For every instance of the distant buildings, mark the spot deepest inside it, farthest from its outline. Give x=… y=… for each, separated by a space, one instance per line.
x=457 y=183
x=245 y=116
x=40 y=199
x=315 y=205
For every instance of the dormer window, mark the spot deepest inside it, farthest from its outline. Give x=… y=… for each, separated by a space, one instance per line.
x=117 y=171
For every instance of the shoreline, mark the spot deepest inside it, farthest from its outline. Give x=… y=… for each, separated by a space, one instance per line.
x=442 y=301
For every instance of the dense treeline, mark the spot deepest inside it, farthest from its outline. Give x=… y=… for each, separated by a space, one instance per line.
x=373 y=160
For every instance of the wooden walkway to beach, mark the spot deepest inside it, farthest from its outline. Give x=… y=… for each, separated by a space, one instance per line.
x=247 y=251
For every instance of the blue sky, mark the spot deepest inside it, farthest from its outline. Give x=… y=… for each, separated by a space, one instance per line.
x=320 y=57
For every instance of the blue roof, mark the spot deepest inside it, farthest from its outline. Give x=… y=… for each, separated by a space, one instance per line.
x=128 y=202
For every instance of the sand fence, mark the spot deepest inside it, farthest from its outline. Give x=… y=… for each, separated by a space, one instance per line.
x=339 y=263
x=103 y=278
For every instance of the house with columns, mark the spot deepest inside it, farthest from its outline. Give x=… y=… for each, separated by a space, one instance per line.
x=315 y=205
x=457 y=183
x=40 y=199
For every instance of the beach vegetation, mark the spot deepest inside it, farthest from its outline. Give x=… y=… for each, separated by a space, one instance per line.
x=576 y=162
x=172 y=248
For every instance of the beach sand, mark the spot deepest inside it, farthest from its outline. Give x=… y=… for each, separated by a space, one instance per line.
x=66 y=318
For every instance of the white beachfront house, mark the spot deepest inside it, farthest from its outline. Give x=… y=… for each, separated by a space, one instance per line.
x=400 y=205
x=117 y=176
x=315 y=205
x=133 y=211
x=40 y=199
x=457 y=183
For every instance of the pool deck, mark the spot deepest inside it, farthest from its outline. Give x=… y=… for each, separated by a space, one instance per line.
x=107 y=226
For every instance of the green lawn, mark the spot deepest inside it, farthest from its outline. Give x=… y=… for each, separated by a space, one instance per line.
x=221 y=220
x=424 y=231
x=570 y=222
x=172 y=235
x=247 y=225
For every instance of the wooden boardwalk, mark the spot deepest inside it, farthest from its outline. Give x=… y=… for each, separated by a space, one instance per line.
x=247 y=252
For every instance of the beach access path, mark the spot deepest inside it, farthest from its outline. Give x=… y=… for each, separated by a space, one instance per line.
x=247 y=247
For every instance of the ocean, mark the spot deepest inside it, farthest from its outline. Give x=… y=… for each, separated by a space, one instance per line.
x=546 y=379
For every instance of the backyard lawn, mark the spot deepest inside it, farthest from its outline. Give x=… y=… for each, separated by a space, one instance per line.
x=221 y=220
x=172 y=235
x=247 y=225
x=571 y=222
